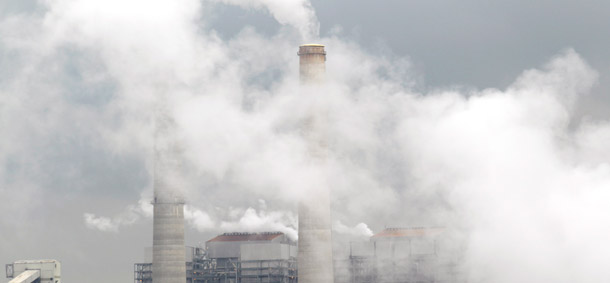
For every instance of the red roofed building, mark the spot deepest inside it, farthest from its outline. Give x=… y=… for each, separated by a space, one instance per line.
x=249 y=237
x=407 y=233
x=251 y=246
x=404 y=254
x=249 y=257
x=406 y=241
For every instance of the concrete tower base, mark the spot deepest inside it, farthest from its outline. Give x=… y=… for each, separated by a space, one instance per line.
x=169 y=264
x=315 y=258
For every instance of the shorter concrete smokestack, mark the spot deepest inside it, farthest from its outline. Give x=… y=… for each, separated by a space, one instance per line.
x=169 y=260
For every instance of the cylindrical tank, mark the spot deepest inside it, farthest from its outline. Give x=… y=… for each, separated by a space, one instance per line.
x=315 y=260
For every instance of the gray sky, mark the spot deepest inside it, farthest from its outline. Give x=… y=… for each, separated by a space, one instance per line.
x=469 y=43
x=74 y=139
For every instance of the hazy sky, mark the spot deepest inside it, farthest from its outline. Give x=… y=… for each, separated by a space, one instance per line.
x=491 y=114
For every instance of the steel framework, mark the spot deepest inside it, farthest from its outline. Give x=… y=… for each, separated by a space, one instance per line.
x=210 y=270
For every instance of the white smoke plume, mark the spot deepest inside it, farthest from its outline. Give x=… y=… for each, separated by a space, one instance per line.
x=128 y=217
x=515 y=169
x=104 y=224
x=243 y=220
x=235 y=219
x=297 y=13
x=360 y=231
x=252 y=220
x=198 y=219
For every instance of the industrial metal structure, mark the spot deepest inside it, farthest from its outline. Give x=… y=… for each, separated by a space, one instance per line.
x=168 y=264
x=408 y=255
x=315 y=244
x=237 y=257
x=416 y=254
x=37 y=271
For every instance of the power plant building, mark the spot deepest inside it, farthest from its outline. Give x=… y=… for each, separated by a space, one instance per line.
x=415 y=254
x=237 y=257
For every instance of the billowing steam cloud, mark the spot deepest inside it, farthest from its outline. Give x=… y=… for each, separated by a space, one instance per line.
x=296 y=13
x=224 y=220
x=128 y=217
x=513 y=169
x=248 y=220
x=361 y=230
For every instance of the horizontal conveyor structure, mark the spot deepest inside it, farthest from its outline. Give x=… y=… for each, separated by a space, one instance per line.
x=27 y=276
x=34 y=271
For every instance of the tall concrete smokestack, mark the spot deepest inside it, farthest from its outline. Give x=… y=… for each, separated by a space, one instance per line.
x=312 y=63
x=169 y=264
x=315 y=245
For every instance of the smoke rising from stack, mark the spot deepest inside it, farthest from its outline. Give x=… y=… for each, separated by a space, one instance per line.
x=513 y=168
x=297 y=13
x=169 y=259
